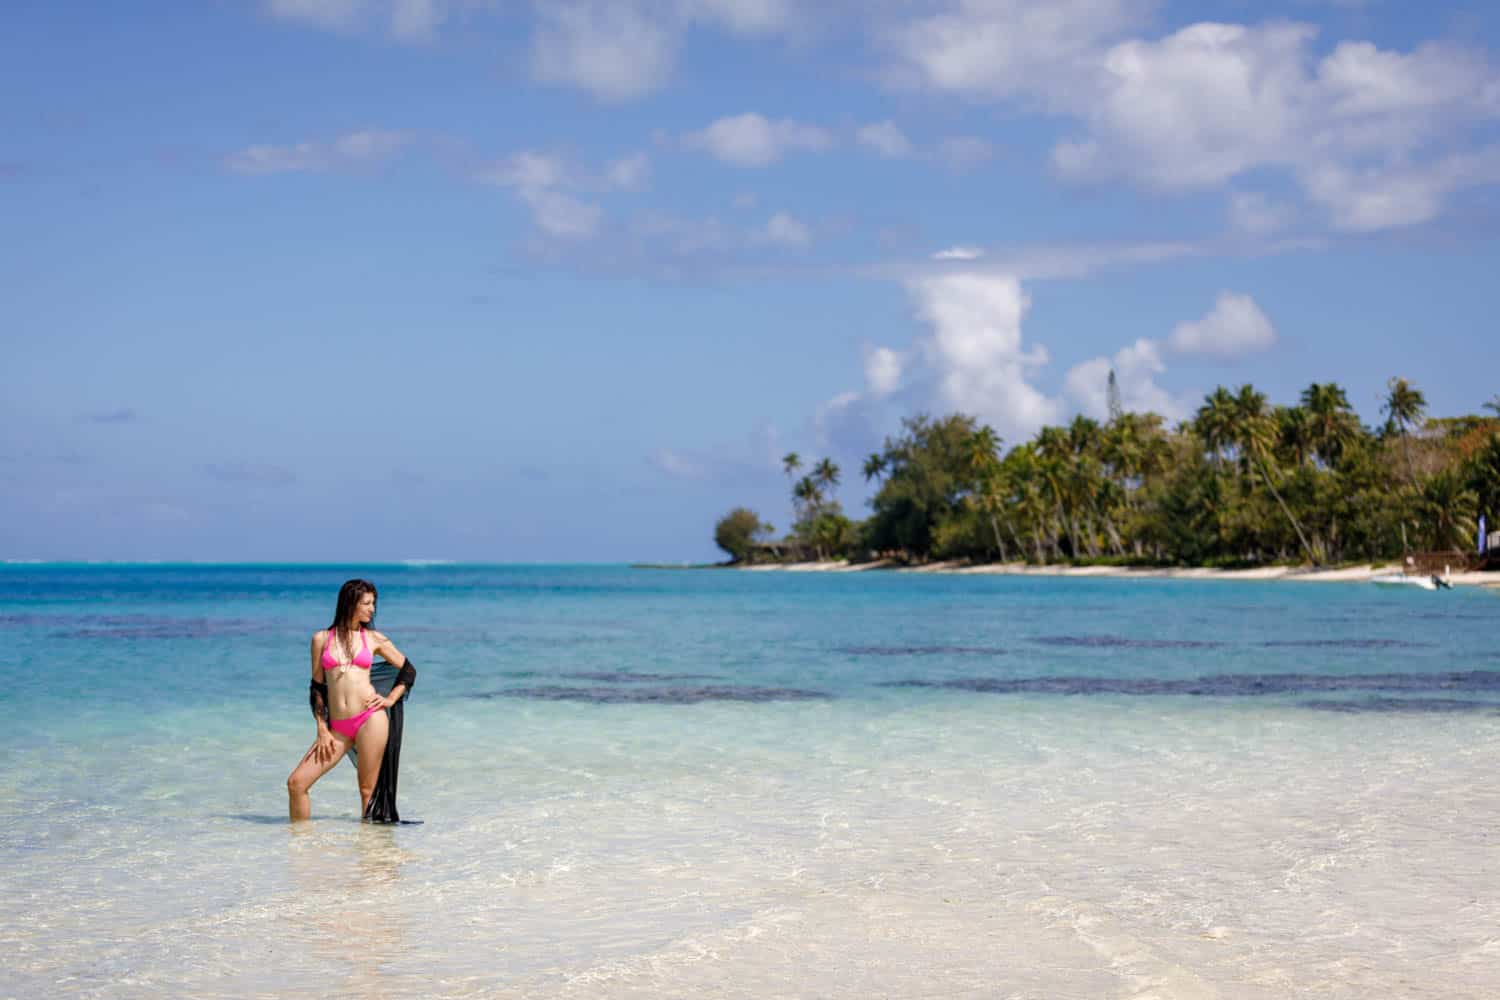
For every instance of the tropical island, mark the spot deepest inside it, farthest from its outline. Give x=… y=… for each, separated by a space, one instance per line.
x=1241 y=485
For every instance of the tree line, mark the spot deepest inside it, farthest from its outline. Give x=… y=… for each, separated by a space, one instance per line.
x=1241 y=482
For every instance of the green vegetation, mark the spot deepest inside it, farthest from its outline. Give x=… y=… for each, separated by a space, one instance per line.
x=738 y=531
x=1242 y=482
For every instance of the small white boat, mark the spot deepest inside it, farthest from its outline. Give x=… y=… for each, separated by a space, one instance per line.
x=1402 y=580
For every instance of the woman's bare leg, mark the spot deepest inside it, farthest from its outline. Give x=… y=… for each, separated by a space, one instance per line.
x=305 y=774
x=370 y=742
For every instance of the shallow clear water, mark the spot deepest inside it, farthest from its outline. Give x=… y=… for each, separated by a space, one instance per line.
x=650 y=783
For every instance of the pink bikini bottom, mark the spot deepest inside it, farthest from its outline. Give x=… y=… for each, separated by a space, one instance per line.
x=348 y=727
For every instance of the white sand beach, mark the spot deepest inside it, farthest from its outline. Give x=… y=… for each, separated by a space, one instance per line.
x=1342 y=574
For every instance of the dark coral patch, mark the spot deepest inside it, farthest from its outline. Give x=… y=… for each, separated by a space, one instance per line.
x=658 y=695
x=1122 y=642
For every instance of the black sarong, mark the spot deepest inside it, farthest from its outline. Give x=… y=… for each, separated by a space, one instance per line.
x=382 y=807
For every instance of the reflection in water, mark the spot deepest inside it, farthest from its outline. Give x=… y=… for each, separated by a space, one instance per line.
x=351 y=911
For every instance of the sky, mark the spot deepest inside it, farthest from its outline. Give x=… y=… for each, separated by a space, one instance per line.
x=371 y=280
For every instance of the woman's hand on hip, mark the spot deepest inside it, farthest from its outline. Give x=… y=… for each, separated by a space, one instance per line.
x=326 y=749
x=376 y=701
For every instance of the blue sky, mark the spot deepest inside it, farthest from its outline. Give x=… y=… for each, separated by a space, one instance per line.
x=387 y=279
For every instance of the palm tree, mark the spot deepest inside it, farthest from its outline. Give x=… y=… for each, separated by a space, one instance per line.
x=826 y=472
x=1295 y=433
x=1493 y=404
x=1332 y=425
x=1254 y=431
x=984 y=448
x=1449 y=509
x=874 y=466
x=1215 y=421
x=1404 y=407
x=790 y=463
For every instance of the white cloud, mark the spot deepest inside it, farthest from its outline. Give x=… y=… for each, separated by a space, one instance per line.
x=752 y=140
x=616 y=52
x=677 y=465
x=1254 y=213
x=964 y=152
x=959 y=253
x=1135 y=367
x=408 y=20
x=885 y=138
x=1207 y=104
x=1234 y=328
x=883 y=368
x=546 y=185
x=629 y=173
x=416 y=20
x=1196 y=108
x=1001 y=48
x=751 y=17
x=321 y=13
x=787 y=230
x=1212 y=102
x=354 y=149
x=1364 y=200
x=620 y=50
x=976 y=352
x=562 y=215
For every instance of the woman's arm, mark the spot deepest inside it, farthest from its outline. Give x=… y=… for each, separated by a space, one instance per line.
x=317 y=698
x=405 y=677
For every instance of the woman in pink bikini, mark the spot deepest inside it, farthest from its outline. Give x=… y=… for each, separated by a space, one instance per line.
x=350 y=713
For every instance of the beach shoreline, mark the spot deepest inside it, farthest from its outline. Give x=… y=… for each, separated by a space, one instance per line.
x=1342 y=574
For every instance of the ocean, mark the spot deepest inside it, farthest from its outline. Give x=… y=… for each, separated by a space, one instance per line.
x=653 y=783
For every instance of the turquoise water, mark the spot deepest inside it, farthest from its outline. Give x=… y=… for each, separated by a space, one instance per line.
x=651 y=783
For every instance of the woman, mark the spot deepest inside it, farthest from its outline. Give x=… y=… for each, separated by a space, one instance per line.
x=350 y=713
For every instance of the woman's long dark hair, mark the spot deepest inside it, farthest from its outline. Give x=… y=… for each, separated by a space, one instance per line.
x=343 y=614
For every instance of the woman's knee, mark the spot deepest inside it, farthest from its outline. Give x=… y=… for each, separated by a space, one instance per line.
x=297 y=783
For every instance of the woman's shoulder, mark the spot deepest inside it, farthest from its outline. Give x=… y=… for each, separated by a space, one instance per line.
x=321 y=635
x=379 y=638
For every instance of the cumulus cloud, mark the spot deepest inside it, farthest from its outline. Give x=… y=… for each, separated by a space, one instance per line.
x=407 y=20
x=621 y=50
x=629 y=173
x=963 y=152
x=320 y=13
x=976 y=351
x=1369 y=199
x=1207 y=104
x=883 y=368
x=416 y=20
x=1135 y=368
x=885 y=138
x=1234 y=328
x=554 y=189
x=614 y=51
x=752 y=140
x=1254 y=213
x=544 y=184
x=1001 y=48
x=787 y=231
x=348 y=151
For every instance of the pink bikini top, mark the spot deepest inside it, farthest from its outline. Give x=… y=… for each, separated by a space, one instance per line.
x=362 y=659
